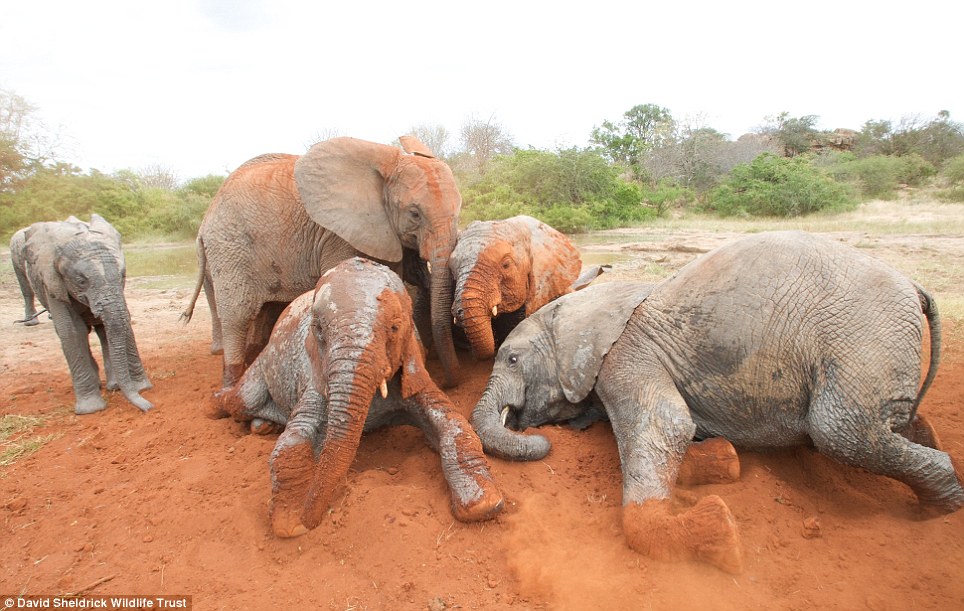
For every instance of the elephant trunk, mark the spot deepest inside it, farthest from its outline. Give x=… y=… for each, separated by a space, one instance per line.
x=498 y=440
x=122 y=352
x=441 y=307
x=352 y=383
x=476 y=320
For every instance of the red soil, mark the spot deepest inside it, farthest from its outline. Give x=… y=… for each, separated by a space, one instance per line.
x=170 y=502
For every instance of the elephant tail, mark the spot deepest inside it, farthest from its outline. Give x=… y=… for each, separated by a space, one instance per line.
x=202 y=263
x=929 y=308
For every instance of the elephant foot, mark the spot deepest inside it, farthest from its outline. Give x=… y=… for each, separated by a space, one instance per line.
x=264 y=427
x=220 y=404
x=291 y=469
x=90 y=405
x=484 y=506
x=31 y=322
x=143 y=384
x=217 y=348
x=704 y=533
x=713 y=461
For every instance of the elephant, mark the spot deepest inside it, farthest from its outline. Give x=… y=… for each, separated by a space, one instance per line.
x=506 y=270
x=341 y=360
x=773 y=340
x=279 y=221
x=77 y=271
x=18 y=243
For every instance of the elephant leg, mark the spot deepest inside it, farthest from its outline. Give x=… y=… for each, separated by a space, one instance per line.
x=73 y=333
x=856 y=435
x=235 y=326
x=250 y=401
x=260 y=331
x=29 y=309
x=108 y=368
x=475 y=496
x=292 y=465
x=653 y=429
x=216 y=345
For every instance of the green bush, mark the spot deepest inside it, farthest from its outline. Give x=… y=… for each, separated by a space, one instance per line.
x=953 y=171
x=778 y=186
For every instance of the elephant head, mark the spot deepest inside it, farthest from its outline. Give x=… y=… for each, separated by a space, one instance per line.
x=548 y=366
x=505 y=266
x=382 y=200
x=361 y=336
x=77 y=271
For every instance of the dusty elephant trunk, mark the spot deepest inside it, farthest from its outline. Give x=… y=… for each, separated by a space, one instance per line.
x=499 y=441
x=441 y=306
x=120 y=347
x=476 y=318
x=349 y=395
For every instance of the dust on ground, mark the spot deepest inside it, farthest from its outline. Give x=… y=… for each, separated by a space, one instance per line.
x=169 y=502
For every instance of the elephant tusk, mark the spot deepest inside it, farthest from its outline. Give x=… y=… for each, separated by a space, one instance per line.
x=384 y=389
x=495 y=310
x=428 y=264
x=504 y=415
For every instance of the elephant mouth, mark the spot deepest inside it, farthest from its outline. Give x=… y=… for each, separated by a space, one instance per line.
x=511 y=417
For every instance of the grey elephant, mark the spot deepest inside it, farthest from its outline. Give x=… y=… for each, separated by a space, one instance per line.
x=774 y=340
x=18 y=244
x=77 y=271
x=504 y=271
x=344 y=359
x=279 y=221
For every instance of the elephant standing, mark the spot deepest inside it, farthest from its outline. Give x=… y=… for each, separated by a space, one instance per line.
x=775 y=340
x=18 y=245
x=279 y=221
x=507 y=270
x=330 y=353
x=77 y=272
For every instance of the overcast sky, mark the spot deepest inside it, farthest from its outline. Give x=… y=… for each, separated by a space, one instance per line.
x=200 y=86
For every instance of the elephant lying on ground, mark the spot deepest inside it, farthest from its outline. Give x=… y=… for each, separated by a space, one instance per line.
x=330 y=353
x=18 y=245
x=279 y=221
x=77 y=272
x=774 y=340
x=506 y=270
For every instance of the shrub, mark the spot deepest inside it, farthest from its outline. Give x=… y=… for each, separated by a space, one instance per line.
x=778 y=186
x=953 y=171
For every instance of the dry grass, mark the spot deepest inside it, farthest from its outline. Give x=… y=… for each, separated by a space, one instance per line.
x=16 y=441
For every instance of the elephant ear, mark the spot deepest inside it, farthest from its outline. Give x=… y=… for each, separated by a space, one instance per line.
x=584 y=326
x=99 y=225
x=415 y=378
x=341 y=184
x=43 y=240
x=411 y=144
x=555 y=264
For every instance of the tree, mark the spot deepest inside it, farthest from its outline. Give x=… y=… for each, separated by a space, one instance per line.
x=644 y=127
x=25 y=142
x=796 y=134
x=482 y=141
x=435 y=137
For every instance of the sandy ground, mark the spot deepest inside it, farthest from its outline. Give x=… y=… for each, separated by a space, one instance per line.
x=170 y=502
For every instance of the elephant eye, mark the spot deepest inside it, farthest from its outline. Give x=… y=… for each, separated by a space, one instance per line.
x=513 y=359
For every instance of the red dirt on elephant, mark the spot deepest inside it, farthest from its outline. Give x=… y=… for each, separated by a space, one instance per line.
x=171 y=502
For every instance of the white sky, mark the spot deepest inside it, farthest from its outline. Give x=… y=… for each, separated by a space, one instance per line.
x=200 y=86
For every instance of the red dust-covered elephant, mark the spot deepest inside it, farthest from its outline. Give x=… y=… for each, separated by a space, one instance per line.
x=279 y=221
x=344 y=359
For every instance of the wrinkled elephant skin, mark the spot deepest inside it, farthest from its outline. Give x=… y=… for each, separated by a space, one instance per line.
x=774 y=340
x=344 y=359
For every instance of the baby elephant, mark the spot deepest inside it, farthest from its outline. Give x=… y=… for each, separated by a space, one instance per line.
x=774 y=340
x=77 y=271
x=506 y=270
x=341 y=360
